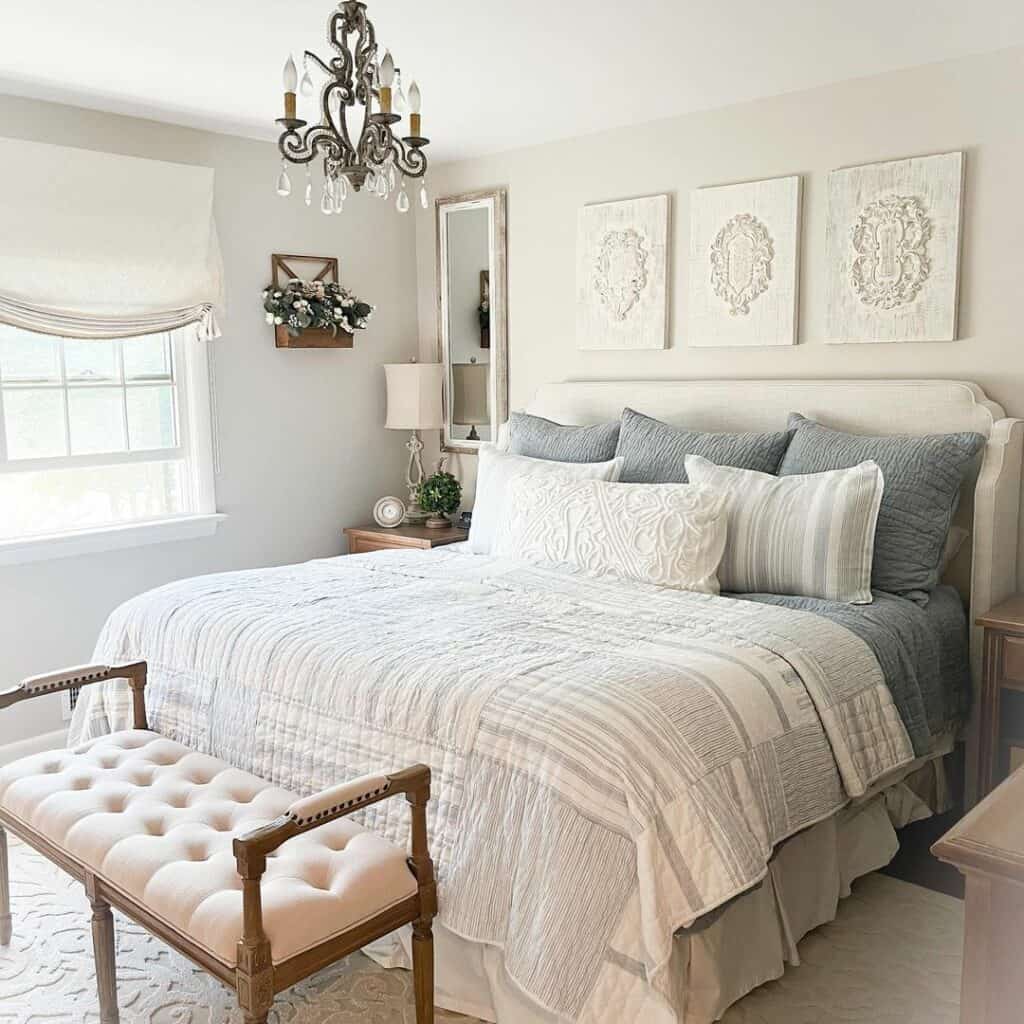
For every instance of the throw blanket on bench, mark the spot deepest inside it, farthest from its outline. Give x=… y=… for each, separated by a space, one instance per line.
x=611 y=760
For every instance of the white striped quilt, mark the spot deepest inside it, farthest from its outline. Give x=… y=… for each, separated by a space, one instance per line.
x=611 y=760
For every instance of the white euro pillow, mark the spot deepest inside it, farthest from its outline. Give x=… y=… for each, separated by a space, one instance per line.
x=494 y=471
x=811 y=535
x=669 y=535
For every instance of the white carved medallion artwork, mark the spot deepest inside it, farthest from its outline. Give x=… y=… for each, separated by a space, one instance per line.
x=621 y=262
x=743 y=263
x=892 y=249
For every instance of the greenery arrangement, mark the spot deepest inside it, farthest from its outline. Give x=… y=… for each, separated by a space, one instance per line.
x=440 y=493
x=301 y=305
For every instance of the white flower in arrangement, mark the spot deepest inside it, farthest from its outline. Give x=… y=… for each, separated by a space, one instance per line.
x=314 y=305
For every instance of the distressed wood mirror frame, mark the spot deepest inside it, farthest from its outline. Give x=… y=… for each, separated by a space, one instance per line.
x=496 y=350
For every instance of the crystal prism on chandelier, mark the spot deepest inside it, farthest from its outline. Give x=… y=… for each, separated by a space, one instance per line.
x=360 y=104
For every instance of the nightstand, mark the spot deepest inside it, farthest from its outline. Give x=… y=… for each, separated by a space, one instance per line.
x=987 y=846
x=362 y=539
x=1001 y=714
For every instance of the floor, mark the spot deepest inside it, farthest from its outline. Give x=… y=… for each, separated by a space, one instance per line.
x=46 y=975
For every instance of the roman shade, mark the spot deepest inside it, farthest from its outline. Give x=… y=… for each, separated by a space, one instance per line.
x=97 y=245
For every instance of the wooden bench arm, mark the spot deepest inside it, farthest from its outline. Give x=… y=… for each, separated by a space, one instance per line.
x=254 y=954
x=328 y=805
x=82 y=675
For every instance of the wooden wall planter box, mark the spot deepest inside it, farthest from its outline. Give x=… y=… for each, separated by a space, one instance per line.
x=328 y=271
x=312 y=339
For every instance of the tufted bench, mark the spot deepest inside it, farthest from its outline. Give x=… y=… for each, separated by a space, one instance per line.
x=257 y=886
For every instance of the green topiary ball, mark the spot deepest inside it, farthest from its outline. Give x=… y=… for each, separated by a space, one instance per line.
x=440 y=494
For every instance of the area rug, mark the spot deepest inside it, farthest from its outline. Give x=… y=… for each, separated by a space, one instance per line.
x=891 y=957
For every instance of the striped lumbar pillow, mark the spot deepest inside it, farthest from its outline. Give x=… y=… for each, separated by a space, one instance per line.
x=808 y=535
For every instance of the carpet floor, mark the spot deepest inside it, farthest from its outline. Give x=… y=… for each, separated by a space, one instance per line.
x=891 y=957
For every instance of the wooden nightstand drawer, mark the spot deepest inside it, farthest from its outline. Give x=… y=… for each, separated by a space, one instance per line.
x=362 y=545
x=364 y=539
x=1013 y=660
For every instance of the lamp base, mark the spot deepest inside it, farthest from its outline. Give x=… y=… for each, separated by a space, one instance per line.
x=438 y=523
x=414 y=515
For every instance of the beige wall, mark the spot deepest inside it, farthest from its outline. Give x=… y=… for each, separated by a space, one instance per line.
x=969 y=104
x=303 y=450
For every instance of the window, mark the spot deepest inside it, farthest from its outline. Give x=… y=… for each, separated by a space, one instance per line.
x=100 y=434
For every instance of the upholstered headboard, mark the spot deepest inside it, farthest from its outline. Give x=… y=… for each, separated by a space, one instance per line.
x=985 y=571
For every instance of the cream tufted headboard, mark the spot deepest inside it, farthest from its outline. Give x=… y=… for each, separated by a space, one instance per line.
x=986 y=570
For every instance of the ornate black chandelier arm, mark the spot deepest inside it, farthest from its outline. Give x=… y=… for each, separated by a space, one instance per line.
x=410 y=160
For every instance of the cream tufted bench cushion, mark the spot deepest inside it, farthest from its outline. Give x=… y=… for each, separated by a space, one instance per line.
x=156 y=822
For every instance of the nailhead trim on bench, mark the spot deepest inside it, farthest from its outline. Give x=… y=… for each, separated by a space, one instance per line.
x=65 y=681
x=309 y=819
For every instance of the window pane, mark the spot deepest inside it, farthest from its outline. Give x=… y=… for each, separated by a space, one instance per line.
x=34 y=422
x=25 y=357
x=90 y=360
x=97 y=420
x=147 y=357
x=57 y=500
x=151 y=417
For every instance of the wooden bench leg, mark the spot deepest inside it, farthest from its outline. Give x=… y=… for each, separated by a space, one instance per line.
x=423 y=970
x=104 y=953
x=5 y=892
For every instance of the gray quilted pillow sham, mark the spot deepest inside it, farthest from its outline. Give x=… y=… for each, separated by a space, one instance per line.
x=654 y=452
x=922 y=487
x=539 y=438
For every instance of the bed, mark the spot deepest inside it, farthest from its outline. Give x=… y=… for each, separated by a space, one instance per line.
x=628 y=778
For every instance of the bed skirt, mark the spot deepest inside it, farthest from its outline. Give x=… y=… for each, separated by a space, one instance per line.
x=729 y=953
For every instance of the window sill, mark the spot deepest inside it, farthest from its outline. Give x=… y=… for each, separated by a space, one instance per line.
x=108 y=538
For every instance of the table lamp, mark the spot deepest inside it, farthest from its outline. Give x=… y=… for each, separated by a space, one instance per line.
x=469 y=385
x=414 y=403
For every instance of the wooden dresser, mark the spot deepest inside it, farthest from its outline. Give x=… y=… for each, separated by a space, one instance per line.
x=382 y=538
x=987 y=846
x=1001 y=711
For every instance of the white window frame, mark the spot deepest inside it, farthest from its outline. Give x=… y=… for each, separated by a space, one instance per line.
x=195 y=448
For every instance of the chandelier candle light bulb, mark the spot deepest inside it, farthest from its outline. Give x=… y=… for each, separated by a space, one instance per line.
x=398 y=100
x=290 y=78
x=387 y=77
x=415 y=125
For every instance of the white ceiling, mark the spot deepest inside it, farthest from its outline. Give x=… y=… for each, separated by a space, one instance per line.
x=495 y=74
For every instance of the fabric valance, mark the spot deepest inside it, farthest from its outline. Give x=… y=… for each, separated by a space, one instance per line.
x=98 y=245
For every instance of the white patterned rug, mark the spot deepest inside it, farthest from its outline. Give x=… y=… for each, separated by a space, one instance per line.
x=891 y=957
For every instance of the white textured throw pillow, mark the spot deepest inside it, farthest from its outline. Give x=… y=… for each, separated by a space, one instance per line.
x=809 y=535
x=494 y=471
x=671 y=535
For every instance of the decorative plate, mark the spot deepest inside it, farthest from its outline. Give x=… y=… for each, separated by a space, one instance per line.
x=389 y=512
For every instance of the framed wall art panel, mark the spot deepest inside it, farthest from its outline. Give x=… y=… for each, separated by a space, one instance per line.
x=744 y=263
x=622 y=273
x=893 y=250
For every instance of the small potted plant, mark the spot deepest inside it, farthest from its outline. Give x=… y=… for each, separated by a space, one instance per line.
x=440 y=494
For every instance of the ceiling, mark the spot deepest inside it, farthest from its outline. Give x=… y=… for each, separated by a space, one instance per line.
x=494 y=74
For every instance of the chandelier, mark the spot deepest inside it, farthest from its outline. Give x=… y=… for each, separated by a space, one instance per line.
x=357 y=144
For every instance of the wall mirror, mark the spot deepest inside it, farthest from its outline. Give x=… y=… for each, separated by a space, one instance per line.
x=472 y=317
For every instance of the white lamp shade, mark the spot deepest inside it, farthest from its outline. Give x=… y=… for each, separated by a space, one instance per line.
x=470 y=390
x=414 y=396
